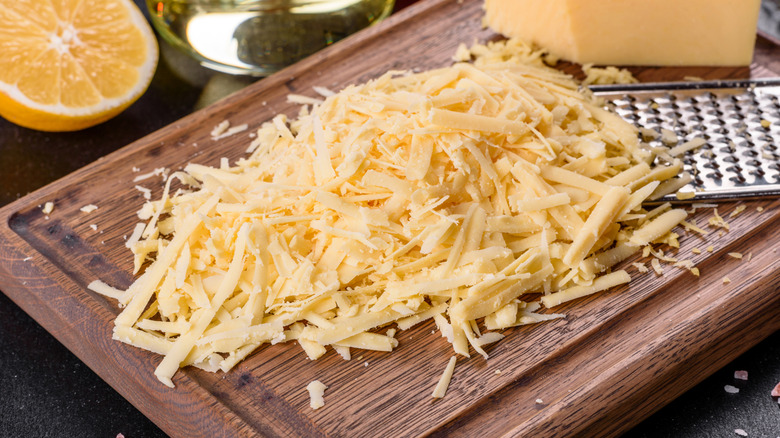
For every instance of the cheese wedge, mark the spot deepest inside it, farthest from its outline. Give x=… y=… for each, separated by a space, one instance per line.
x=633 y=32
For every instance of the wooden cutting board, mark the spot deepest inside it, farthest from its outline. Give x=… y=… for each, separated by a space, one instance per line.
x=615 y=359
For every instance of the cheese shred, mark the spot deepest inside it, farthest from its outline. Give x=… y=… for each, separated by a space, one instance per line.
x=454 y=194
x=444 y=380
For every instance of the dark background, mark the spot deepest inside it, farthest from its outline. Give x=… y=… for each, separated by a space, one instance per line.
x=45 y=391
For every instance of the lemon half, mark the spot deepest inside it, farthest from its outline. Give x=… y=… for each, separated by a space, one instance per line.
x=67 y=65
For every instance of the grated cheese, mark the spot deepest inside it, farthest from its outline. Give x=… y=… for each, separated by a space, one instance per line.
x=316 y=394
x=717 y=221
x=737 y=210
x=669 y=137
x=147 y=193
x=48 y=208
x=450 y=194
x=607 y=75
x=444 y=380
x=104 y=289
x=160 y=171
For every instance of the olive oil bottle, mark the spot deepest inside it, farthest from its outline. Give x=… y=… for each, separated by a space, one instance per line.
x=259 y=37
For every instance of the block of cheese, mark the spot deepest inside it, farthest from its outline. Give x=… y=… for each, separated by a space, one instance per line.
x=633 y=32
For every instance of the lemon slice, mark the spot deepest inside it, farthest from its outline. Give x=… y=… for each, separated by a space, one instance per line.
x=66 y=65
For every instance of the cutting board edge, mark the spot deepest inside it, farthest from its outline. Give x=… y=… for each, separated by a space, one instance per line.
x=41 y=194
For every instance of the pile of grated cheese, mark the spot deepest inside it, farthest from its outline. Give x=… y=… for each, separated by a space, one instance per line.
x=474 y=195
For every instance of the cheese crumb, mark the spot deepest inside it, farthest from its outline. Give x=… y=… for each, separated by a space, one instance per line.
x=717 y=221
x=48 y=208
x=649 y=134
x=657 y=267
x=539 y=401
x=607 y=75
x=160 y=171
x=726 y=280
x=710 y=248
x=682 y=196
x=233 y=130
x=669 y=137
x=316 y=394
x=740 y=432
x=731 y=389
x=462 y=54
x=220 y=128
x=766 y=123
x=696 y=250
x=94 y=227
x=759 y=209
x=739 y=209
x=88 y=208
x=145 y=191
x=736 y=255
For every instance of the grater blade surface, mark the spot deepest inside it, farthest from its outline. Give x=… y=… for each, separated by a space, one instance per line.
x=740 y=121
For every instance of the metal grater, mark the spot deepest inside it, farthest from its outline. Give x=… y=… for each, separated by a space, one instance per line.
x=739 y=119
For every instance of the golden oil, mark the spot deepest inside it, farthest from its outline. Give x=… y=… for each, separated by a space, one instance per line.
x=259 y=37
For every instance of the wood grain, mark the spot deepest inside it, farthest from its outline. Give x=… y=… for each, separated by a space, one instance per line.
x=615 y=359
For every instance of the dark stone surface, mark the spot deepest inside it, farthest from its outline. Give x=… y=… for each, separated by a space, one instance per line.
x=46 y=391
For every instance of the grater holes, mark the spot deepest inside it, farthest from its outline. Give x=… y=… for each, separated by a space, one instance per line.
x=753 y=163
x=758 y=173
x=725 y=150
x=716 y=175
x=711 y=165
x=738 y=179
x=739 y=152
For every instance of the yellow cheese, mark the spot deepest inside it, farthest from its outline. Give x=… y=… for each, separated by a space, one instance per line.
x=316 y=391
x=451 y=194
x=444 y=380
x=633 y=32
